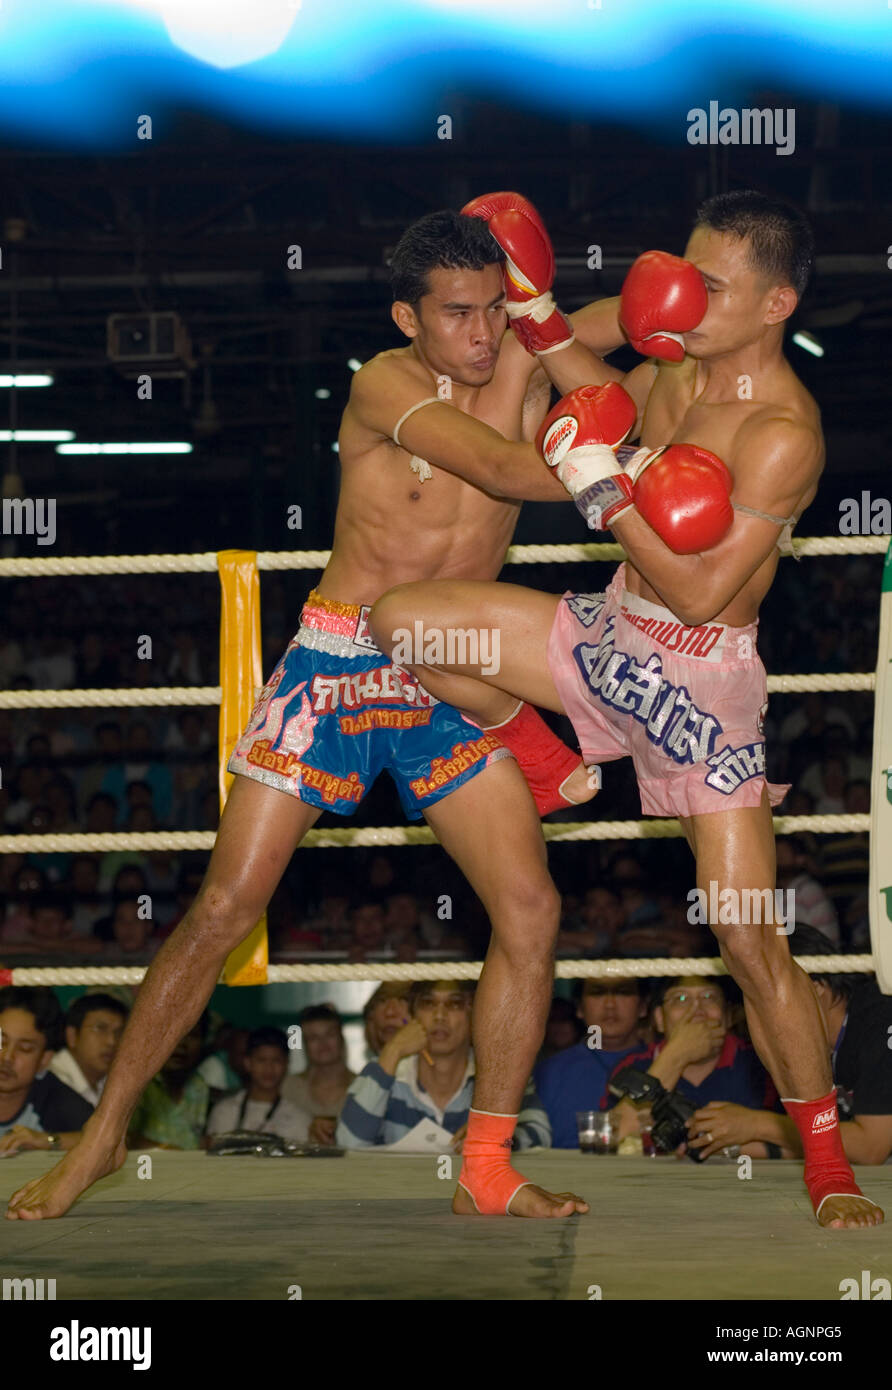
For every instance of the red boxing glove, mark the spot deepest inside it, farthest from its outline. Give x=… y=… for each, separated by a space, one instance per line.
x=577 y=439
x=662 y=297
x=683 y=493
x=529 y=269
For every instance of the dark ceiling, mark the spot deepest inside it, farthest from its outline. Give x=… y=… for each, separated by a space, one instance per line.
x=201 y=224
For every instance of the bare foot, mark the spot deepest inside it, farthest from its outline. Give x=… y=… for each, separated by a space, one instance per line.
x=848 y=1213
x=529 y=1201
x=581 y=785
x=52 y=1194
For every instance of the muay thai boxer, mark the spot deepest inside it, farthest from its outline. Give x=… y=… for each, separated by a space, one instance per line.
x=433 y=466
x=663 y=666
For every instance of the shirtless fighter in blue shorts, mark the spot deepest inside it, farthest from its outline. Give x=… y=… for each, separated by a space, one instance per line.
x=426 y=493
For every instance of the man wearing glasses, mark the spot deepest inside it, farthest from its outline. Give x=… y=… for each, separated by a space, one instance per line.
x=697 y=1055
x=93 y=1028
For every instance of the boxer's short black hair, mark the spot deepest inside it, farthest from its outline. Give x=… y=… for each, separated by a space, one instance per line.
x=781 y=242
x=444 y=240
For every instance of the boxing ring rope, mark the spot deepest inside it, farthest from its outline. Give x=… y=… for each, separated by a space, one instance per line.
x=205 y=562
x=181 y=695
x=651 y=968
x=387 y=836
x=394 y=836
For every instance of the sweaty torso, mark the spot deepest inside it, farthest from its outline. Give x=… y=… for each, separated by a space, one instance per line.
x=673 y=416
x=392 y=527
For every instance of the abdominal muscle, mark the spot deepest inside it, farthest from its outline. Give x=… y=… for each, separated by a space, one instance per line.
x=391 y=528
x=743 y=608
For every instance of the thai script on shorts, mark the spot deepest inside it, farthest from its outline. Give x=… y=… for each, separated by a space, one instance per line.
x=586 y=607
x=331 y=787
x=731 y=767
x=353 y=689
x=671 y=719
x=384 y=719
x=445 y=770
x=674 y=636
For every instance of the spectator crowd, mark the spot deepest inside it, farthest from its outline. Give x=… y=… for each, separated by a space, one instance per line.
x=155 y=769
x=687 y=1032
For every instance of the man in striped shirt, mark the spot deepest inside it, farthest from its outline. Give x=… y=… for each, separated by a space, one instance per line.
x=425 y=1071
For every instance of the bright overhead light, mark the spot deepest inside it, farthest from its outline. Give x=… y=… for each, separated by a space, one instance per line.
x=26 y=380
x=34 y=436
x=322 y=393
x=808 y=344
x=142 y=448
x=354 y=364
x=229 y=33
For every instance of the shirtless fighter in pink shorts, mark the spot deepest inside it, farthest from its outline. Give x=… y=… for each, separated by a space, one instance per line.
x=664 y=667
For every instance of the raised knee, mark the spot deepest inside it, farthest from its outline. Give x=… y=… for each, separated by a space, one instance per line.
x=391 y=611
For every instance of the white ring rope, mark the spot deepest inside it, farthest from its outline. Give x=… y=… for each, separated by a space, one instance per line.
x=205 y=562
x=650 y=968
x=181 y=695
x=394 y=835
x=102 y=698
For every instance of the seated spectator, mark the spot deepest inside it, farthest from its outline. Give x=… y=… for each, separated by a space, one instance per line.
x=826 y=782
x=61 y=798
x=262 y=1106
x=367 y=933
x=27 y=792
x=50 y=930
x=37 y=1110
x=188 y=884
x=184 y=666
x=102 y=814
x=382 y=874
x=612 y=1013
x=172 y=1111
x=408 y=930
x=697 y=1055
x=95 y=666
x=845 y=862
x=812 y=907
x=105 y=754
x=52 y=668
x=139 y=765
x=188 y=733
x=602 y=918
x=319 y=1091
x=563 y=1028
x=224 y=1070
x=385 y=1013
x=859 y=1025
x=400 y=1090
x=83 y=886
x=331 y=922
x=127 y=934
x=93 y=1028
x=28 y=883
x=629 y=879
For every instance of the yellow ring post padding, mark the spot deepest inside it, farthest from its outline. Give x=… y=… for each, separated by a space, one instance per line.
x=241 y=677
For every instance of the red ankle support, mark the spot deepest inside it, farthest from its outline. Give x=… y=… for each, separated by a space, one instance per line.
x=828 y=1172
x=486 y=1174
x=545 y=761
